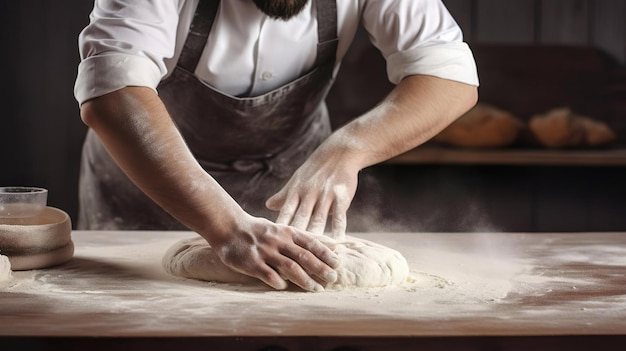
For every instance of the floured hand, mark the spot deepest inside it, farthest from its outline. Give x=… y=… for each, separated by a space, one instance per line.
x=275 y=253
x=417 y=109
x=321 y=187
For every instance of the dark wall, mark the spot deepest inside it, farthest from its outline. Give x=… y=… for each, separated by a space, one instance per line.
x=41 y=131
x=597 y=23
x=479 y=198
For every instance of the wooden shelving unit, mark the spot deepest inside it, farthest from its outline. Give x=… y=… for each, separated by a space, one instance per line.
x=523 y=157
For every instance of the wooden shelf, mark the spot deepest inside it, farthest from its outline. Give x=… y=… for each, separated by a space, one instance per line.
x=521 y=157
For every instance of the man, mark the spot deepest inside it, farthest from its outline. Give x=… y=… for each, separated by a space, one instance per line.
x=202 y=112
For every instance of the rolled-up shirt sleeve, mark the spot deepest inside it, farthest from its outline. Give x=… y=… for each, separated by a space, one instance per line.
x=419 y=37
x=105 y=73
x=125 y=44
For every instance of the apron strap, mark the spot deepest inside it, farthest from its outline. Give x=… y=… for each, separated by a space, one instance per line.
x=198 y=34
x=326 y=31
x=207 y=11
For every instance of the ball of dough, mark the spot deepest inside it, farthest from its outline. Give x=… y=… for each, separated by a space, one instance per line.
x=363 y=263
x=367 y=264
x=484 y=126
x=561 y=127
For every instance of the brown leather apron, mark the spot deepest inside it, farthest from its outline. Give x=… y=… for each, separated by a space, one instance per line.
x=250 y=145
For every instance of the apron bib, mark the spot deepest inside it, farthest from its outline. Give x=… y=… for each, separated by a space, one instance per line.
x=250 y=145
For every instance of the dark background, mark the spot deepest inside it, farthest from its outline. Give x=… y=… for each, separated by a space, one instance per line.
x=41 y=131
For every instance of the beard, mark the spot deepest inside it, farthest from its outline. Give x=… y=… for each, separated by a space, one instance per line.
x=281 y=9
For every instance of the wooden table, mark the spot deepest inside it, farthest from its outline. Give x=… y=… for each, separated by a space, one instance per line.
x=468 y=291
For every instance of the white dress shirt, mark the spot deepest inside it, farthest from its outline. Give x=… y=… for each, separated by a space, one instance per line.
x=137 y=43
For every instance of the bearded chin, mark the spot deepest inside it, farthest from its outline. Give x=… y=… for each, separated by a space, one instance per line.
x=281 y=9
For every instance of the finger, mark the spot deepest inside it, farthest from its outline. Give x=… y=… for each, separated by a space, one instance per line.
x=276 y=201
x=270 y=277
x=255 y=267
x=291 y=270
x=264 y=273
x=303 y=215
x=339 y=222
x=317 y=248
x=312 y=265
x=317 y=225
x=288 y=210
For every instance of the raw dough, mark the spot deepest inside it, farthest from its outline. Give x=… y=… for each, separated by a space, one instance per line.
x=5 y=268
x=561 y=127
x=363 y=263
x=483 y=126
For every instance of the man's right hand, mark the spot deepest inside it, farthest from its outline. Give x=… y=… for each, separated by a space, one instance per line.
x=276 y=253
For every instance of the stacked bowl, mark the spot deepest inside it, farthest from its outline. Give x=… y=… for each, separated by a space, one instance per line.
x=33 y=235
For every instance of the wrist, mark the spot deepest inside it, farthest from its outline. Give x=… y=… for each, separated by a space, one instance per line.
x=223 y=224
x=348 y=147
x=213 y=214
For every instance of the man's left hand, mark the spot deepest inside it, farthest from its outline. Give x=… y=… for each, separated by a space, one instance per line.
x=323 y=186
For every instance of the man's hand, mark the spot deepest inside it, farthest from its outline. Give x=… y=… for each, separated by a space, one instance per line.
x=325 y=184
x=275 y=253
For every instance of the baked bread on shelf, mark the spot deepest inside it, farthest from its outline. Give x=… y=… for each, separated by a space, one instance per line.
x=563 y=128
x=484 y=126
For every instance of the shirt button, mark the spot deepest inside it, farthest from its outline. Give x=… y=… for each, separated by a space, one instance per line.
x=266 y=75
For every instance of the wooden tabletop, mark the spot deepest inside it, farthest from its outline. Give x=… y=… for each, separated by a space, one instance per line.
x=467 y=285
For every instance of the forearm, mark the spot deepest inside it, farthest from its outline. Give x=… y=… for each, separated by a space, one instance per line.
x=416 y=110
x=137 y=131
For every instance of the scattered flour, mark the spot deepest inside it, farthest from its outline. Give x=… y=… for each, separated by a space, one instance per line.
x=106 y=276
x=119 y=278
